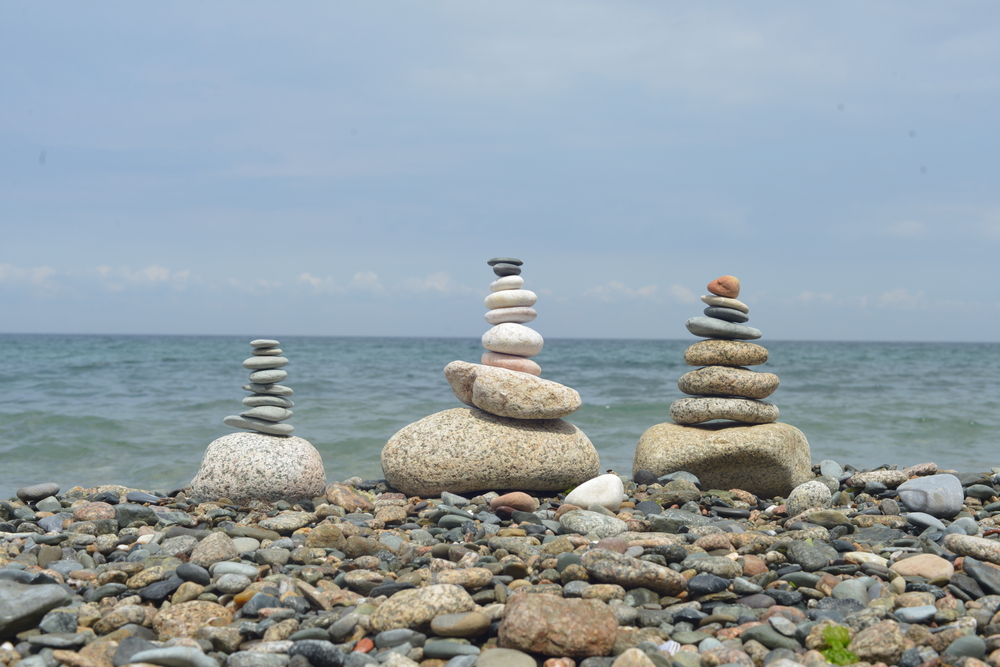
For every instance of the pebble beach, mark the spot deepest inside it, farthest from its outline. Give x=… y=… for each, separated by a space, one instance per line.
x=879 y=567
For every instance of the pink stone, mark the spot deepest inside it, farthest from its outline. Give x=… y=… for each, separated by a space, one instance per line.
x=517 y=500
x=93 y=512
x=727 y=286
x=511 y=362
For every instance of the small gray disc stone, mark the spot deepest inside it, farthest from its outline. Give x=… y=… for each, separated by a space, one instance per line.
x=710 y=327
x=727 y=314
x=256 y=466
x=269 y=389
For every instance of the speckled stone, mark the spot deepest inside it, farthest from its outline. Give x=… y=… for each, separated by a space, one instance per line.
x=976 y=547
x=585 y=522
x=417 y=607
x=728 y=381
x=727 y=286
x=254 y=466
x=718 y=352
x=698 y=410
x=183 y=620
x=766 y=459
x=262 y=426
x=808 y=495
x=891 y=478
x=615 y=568
x=514 y=339
x=711 y=327
x=550 y=625
x=513 y=315
x=511 y=362
x=507 y=393
x=725 y=302
x=215 y=548
x=465 y=449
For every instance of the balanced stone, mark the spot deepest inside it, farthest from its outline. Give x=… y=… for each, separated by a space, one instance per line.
x=514 y=315
x=508 y=393
x=507 y=283
x=465 y=449
x=268 y=376
x=504 y=260
x=256 y=400
x=258 y=425
x=269 y=388
x=511 y=362
x=509 y=338
x=262 y=342
x=718 y=352
x=713 y=328
x=511 y=298
x=725 y=302
x=268 y=413
x=698 y=410
x=765 y=459
x=266 y=352
x=504 y=269
x=727 y=286
x=727 y=314
x=728 y=381
x=264 y=363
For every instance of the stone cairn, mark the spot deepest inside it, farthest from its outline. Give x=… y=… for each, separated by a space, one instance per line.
x=264 y=462
x=269 y=404
x=512 y=436
x=749 y=450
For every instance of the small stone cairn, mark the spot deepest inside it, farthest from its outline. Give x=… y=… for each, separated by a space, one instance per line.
x=267 y=463
x=751 y=450
x=269 y=405
x=512 y=436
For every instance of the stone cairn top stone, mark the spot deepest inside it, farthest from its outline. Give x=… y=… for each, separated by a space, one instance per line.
x=268 y=403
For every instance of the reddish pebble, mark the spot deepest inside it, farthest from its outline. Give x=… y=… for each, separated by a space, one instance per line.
x=511 y=362
x=565 y=507
x=364 y=645
x=517 y=500
x=559 y=662
x=727 y=286
x=613 y=544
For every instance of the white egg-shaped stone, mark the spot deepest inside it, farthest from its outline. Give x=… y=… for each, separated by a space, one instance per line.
x=506 y=283
x=516 y=315
x=511 y=298
x=517 y=339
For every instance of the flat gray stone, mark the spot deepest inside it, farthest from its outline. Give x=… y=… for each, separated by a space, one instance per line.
x=269 y=389
x=22 y=606
x=710 y=327
x=259 y=425
x=584 y=522
x=258 y=363
x=727 y=314
x=268 y=376
x=269 y=413
x=938 y=495
x=263 y=342
x=923 y=520
x=38 y=491
x=175 y=656
x=702 y=409
x=267 y=352
x=262 y=399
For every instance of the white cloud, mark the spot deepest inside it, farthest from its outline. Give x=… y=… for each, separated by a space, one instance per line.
x=321 y=285
x=682 y=294
x=907 y=229
x=366 y=281
x=255 y=287
x=619 y=291
x=37 y=277
x=440 y=282
x=902 y=298
x=117 y=280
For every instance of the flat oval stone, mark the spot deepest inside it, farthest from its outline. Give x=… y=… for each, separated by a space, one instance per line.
x=514 y=315
x=266 y=352
x=511 y=298
x=727 y=286
x=725 y=302
x=506 y=283
x=462 y=624
x=506 y=269
x=713 y=328
x=268 y=376
x=718 y=352
x=728 y=381
x=727 y=314
x=263 y=342
x=38 y=491
x=507 y=393
x=264 y=363
x=260 y=399
x=269 y=389
x=511 y=362
x=504 y=260
x=259 y=425
x=513 y=339
x=269 y=413
x=698 y=410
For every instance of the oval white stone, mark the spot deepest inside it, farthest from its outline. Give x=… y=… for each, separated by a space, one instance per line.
x=506 y=283
x=517 y=315
x=511 y=298
x=509 y=338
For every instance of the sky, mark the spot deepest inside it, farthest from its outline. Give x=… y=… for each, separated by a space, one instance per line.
x=346 y=169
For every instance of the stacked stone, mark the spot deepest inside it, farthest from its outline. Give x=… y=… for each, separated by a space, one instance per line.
x=269 y=405
x=722 y=387
x=509 y=343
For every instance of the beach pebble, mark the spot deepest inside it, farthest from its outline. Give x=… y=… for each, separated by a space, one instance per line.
x=585 y=522
x=268 y=413
x=258 y=400
x=504 y=260
x=718 y=352
x=979 y=548
x=554 y=626
x=264 y=362
x=725 y=302
x=462 y=624
x=506 y=269
x=614 y=568
x=508 y=393
x=512 y=315
x=727 y=286
x=263 y=342
x=502 y=657
x=928 y=566
x=516 y=298
x=514 y=339
x=517 y=500
x=829 y=468
x=37 y=491
x=268 y=389
x=416 y=608
x=938 y=495
x=511 y=362
x=728 y=381
x=267 y=352
x=808 y=495
x=507 y=283
x=713 y=328
x=260 y=425
x=703 y=409
x=268 y=376
x=174 y=656
x=605 y=490
x=727 y=314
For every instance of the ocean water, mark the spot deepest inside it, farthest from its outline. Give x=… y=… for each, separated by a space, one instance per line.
x=140 y=410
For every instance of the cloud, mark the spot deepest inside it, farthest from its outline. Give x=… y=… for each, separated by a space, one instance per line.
x=366 y=281
x=122 y=278
x=38 y=277
x=906 y=229
x=682 y=294
x=902 y=298
x=321 y=285
x=440 y=282
x=255 y=287
x=618 y=291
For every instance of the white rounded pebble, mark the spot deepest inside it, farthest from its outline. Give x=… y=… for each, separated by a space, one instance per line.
x=269 y=389
x=268 y=376
x=515 y=339
x=264 y=363
x=259 y=425
x=506 y=283
x=511 y=298
x=263 y=342
x=232 y=583
x=604 y=490
x=516 y=315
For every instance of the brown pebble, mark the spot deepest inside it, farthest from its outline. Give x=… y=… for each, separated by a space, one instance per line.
x=517 y=500
x=727 y=286
x=612 y=544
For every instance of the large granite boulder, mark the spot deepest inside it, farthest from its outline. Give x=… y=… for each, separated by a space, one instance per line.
x=466 y=449
x=249 y=466
x=766 y=459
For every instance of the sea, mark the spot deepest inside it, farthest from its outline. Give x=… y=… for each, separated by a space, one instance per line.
x=140 y=410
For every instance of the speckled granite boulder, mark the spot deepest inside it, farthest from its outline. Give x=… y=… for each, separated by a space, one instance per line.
x=702 y=409
x=728 y=381
x=718 y=352
x=255 y=466
x=766 y=459
x=508 y=393
x=465 y=449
